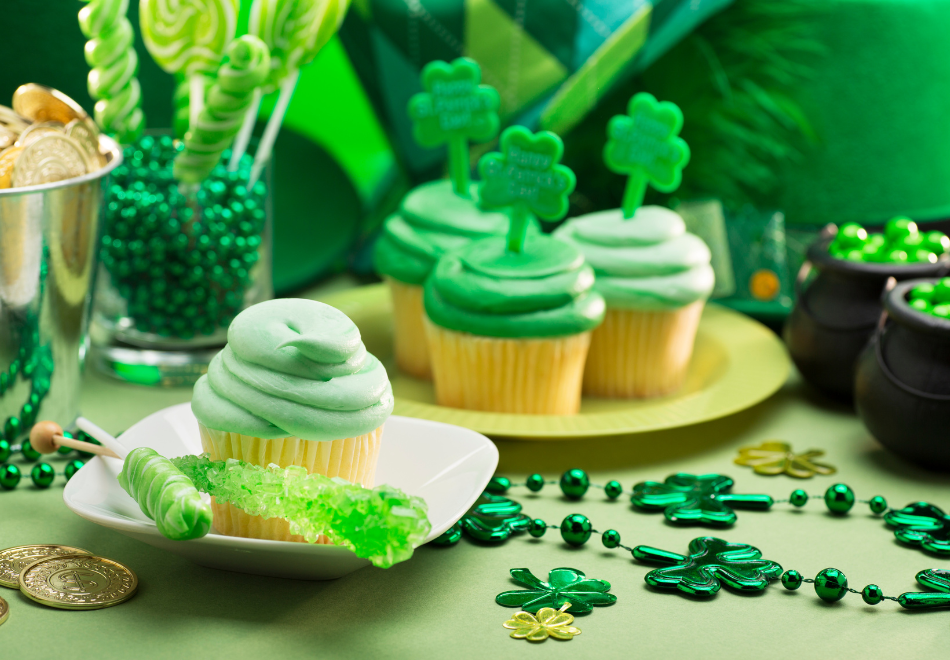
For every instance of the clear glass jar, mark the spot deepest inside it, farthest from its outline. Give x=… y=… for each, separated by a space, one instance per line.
x=177 y=264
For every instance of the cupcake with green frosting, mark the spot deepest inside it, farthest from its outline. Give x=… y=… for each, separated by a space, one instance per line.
x=655 y=278
x=509 y=318
x=453 y=109
x=293 y=387
x=432 y=220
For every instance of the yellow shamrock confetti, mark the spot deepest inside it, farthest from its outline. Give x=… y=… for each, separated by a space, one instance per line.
x=548 y=622
x=775 y=457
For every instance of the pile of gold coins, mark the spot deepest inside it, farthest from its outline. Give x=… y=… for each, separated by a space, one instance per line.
x=46 y=137
x=64 y=577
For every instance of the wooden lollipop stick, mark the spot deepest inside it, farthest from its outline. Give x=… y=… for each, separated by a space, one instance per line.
x=47 y=437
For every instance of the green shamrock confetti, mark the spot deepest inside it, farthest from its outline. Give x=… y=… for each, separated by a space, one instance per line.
x=711 y=563
x=921 y=524
x=932 y=578
x=454 y=108
x=528 y=177
x=492 y=519
x=704 y=499
x=564 y=585
x=645 y=145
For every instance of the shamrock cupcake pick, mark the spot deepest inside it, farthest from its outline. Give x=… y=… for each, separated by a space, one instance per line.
x=527 y=177
x=645 y=145
x=454 y=108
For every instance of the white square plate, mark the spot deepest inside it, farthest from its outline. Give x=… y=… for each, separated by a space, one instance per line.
x=446 y=465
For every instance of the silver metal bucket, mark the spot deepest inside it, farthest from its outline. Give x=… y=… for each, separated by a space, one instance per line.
x=49 y=243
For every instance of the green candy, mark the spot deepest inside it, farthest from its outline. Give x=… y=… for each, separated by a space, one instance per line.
x=899 y=229
x=902 y=242
x=229 y=99
x=933 y=299
x=380 y=524
x=850 y=236
x=165 y=495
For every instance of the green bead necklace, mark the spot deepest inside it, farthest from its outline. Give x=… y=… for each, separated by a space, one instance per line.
x=182 y=260
x=711 y=562
x=42 y=474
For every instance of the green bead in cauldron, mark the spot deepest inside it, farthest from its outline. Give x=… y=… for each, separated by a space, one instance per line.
x=798 y=498
x=613 y=489
x=792 y=580
x=498 y=485
x=4 y=450
x=534 y=483
x=576 y=529
x=839 y=498
x=42 y=475
x=611 y=539
x=9 y=476
x=872 y=594
x=831 y=585
x=537 y=528
x=72 y=468
x=877 y=504
x=574 y=483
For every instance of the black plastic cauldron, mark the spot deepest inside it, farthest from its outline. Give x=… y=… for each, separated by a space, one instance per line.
x=902 y=382
x=836 y=313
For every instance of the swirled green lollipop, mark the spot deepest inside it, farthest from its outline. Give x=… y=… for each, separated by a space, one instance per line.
x=527 y=177
x=228 y=101
x=112 y=80
x=645 y=145
x=165 y=495
x=381 y=524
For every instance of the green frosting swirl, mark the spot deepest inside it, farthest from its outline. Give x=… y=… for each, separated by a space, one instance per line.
x=165 y=495
x=228 y=101
x=293 y=368
x=544 y=291
x=648 y=262
x=431 y=221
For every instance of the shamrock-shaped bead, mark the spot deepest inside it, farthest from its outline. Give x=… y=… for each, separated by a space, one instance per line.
x=564 y=585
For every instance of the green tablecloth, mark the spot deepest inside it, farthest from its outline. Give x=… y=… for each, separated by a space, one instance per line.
x=441 y=603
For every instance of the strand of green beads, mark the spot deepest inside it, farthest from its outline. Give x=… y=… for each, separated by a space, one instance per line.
x=574 y=485
x=831 y=585
x=42 y=474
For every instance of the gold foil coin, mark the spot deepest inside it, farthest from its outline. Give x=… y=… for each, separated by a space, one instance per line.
x=4 y=611
x=40 y=103
x=14 y=560
x=7 y=137
x=50 y=158
x=78 y=582
x=7 y=159
x=86 y=134
x=12 y=120
x=36 y=131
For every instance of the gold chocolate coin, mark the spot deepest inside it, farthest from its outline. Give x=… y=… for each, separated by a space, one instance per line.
x=40 y=103
x=51 y=158
x=4 y=611
x=7 y=137
x=12 y=120
x=78 y=582
x=36 y=131
x=7 y=159
x=14 y=560
x=86 y=134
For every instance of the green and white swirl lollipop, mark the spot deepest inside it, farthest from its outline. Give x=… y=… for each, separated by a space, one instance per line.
x=246 y=69
x=188 y=38
x=112 y=80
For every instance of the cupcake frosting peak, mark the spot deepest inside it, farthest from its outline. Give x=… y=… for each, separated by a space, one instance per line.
x=649 y=261
x=293 y=368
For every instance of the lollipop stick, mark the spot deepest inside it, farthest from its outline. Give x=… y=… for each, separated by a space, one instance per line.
x=196 y=98
x=244 y=136
x=273 y=126
x=633 y=194
x=103 y=437
x=88 y=447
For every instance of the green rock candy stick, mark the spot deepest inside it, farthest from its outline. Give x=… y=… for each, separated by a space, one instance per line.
x=228 y=101
x=165 y=495
x=381 y=524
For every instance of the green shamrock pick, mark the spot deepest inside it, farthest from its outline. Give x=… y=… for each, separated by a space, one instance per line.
x=455 y=108
x=528 y=177
x=645 y=145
